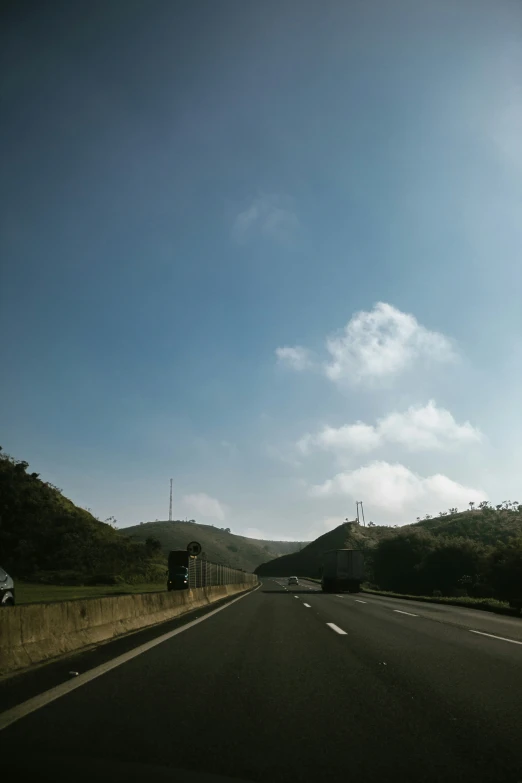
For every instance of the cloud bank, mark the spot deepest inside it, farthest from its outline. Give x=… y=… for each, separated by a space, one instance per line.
x=397 y=489
x=420 y=428
x=374 y=346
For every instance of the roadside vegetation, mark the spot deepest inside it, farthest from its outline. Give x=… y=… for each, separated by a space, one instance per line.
x=47 y=540
x=473 y=556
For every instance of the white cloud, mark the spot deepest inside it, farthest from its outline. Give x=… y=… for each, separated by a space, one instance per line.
x=357 y=437
x=375 y=346
x=270 y=216
x=420 y=428
x=382 y=343
x=204 y=505
x=297 y=358
x=396 y=489
x=427 y=427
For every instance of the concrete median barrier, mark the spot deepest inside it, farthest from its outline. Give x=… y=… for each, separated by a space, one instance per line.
x=35 y=633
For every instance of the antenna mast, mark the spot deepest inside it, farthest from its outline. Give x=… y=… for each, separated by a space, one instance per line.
x=170 y=504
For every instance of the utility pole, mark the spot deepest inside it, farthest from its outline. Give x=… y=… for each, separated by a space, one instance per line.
x=360 y=503
x=170 y=504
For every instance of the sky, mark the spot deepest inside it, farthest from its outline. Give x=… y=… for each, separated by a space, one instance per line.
x=270 y=250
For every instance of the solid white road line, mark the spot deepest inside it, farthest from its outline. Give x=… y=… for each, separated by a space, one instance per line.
x=364 y=602
x=336 y=628
x=307 y=606
x=492 y=636
x=408 y=613
x=31 y=705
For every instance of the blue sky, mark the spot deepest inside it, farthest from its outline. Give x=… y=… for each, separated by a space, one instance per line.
x=270 y=250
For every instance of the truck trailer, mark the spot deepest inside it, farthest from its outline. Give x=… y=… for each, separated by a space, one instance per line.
x=178 y=570
x=343 y=569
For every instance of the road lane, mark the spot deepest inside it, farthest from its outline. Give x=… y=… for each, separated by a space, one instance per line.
x=267 y=691
x=477 y=619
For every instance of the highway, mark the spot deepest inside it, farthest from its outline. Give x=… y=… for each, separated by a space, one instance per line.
x=283 y=685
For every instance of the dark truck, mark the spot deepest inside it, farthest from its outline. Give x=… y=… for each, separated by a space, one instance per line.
x=343 y=569
x=178 y=578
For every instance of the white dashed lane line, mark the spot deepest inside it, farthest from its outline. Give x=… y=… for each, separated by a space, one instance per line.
x=492 y=636
x=336 y=628
x=408 y=613
x=362 y=602
x=307 y=606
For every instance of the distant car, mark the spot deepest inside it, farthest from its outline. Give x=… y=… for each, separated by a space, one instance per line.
x=293 y=580
x=7 y=589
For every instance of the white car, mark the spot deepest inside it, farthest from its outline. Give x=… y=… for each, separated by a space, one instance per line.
x=293 y=580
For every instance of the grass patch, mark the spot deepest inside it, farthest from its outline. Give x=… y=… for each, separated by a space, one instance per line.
x=27 y=593
x=486 y=604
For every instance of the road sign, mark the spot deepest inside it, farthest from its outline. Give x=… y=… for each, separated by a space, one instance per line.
x=194 y=548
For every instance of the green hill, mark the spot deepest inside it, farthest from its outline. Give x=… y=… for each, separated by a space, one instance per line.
x=476 y=553
x=219 y=545
x=485 y=525
x=44 y=537
x=307 y=562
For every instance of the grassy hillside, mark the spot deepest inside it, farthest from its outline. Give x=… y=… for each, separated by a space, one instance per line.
x=307 y=562
x=485 y=525
x=44 y=537
x=476 y=553
x=219 y=545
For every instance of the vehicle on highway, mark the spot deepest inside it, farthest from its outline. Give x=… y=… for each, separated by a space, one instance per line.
x=343 y=569
x=293 y=580
x=178 y=573
x=7 y=589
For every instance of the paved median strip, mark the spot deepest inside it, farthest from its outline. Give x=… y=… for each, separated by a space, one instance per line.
x=336 y=628
x=492 y=636
x=410 y=614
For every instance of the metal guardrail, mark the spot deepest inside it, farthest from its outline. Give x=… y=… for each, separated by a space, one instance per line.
x=202 y=573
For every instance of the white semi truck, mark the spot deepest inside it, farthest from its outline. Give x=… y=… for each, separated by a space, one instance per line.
x=343 y=569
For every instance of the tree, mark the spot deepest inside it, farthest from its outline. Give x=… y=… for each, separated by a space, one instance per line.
x=396 y=559
x=506 y=569
x=471 y=505
x=152 y=545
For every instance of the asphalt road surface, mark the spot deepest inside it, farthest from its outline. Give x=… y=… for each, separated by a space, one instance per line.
x=284 y=685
